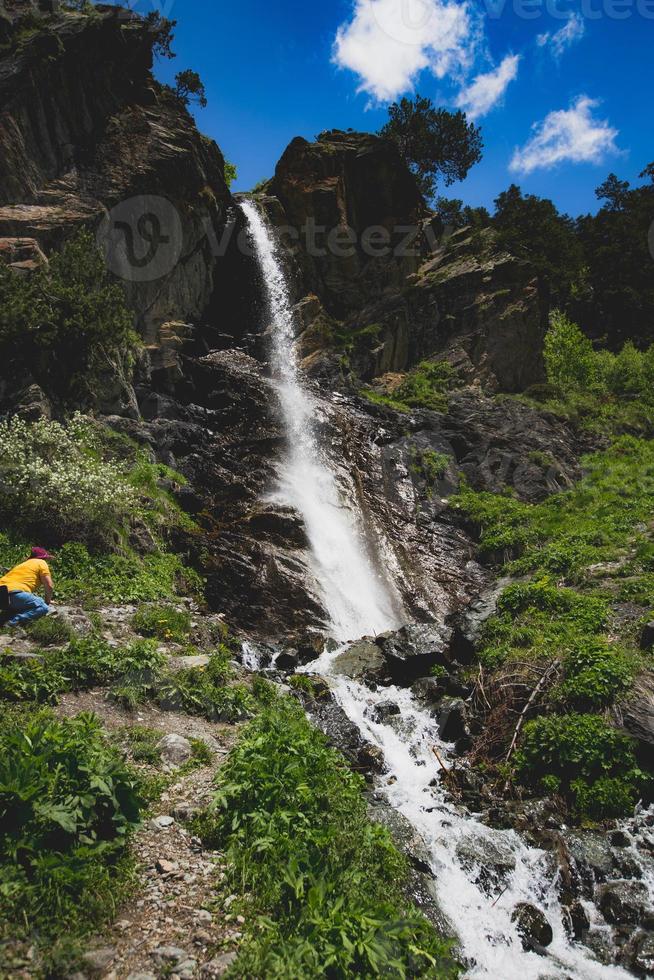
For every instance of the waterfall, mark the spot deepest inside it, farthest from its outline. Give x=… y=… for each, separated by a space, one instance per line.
x=348 y=574
x=361 y=600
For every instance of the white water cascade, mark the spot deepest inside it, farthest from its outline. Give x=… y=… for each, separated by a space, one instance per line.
x=361 y=600
x=357 y=595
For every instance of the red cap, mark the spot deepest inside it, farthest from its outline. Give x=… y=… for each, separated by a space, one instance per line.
x=40 y=553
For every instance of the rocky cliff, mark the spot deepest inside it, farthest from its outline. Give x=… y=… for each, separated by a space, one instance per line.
x=84 y=127
x=87 y=132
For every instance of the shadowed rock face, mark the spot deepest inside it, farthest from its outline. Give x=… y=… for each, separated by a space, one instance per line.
x=346 y=180
x=83 y=127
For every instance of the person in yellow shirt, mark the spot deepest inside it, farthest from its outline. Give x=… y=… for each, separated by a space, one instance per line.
x=21 y=584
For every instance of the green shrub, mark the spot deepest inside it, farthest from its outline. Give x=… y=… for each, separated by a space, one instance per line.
x=121 y=578
x=51 y=631
x=425 y=386
x=67 y=804
x=204 y=691
x=595 y=674
x=54 y=487
x=68 y=323
x=325 y=886
x=164 y=622
x=581 y=750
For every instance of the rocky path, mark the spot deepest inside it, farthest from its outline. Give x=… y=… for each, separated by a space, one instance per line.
x=177 y=922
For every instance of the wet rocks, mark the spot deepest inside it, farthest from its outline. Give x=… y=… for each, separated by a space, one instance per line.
x=533 y=928
x=647 y=636
x=453 y=720
x=362 y=661
x=636 y=711
x=488 y=859
x=591 y=854
x=622 y=902
x=429 y=690
x=575 y=921
x=371 y=757
x=384 y=710
x=410 y=651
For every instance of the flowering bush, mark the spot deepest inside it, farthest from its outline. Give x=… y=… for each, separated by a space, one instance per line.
x=54 y=483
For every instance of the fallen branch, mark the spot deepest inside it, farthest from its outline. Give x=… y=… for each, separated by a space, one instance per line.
x=553 y=668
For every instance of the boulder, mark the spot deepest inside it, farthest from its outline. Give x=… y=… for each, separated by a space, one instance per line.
x=362 y=661
x=575 y=920
x=384 y=710
x=642 y=959
x=453 y=720
x=622 y=902
x=175 y=749
x=532 y=925
x=289 y=660
x=429 y=690
x=371 y=757
x=488 y=858
x=591 y=853
x=98 y=961
x=412 y=650
x=636 y=710
x=647 y=636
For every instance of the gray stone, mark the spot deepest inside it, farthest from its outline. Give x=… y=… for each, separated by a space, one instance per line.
x=169 y=954
x=429 y=690
x=163 y=821
x=489 y=860
x=591 y=851
x=219 y=965
x=647 y=637
x=185 y=811
x=361 y=661
x=98 y=960
x=175 y=749
x=643 y=959
x=384 y=710
x=186 y=969
x=622 y=902
x=533 y=928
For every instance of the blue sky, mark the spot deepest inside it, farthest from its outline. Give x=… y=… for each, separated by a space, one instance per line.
x=563 y=97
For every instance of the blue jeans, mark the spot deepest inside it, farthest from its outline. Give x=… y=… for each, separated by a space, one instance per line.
x=27 y=607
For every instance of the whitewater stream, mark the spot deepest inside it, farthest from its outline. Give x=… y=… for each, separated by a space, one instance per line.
x=348 y=562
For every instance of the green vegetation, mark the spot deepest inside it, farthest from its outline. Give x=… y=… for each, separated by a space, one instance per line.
x=323 y=885
x=586 y=759
x=425 y=386
x=430 y=466
x=67 y=805
x=164 y=622
x=435 y=143
x=85 y=663
x=83 y=482
x=599 y=390
x=50 y=631
x=231 y=173
x=581 y=551
x=189 y=88
x=67 y=325
x=205 y=691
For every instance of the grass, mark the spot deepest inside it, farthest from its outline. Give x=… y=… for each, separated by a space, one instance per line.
x=163 y=622
x=50 y=631
x=322 y=886
x=425 y=386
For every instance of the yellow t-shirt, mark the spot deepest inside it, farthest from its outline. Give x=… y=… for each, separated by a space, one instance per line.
x=27 y=576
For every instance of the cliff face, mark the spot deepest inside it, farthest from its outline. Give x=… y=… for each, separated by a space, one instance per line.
x=86 y=131
x=84 y=127
x=356 y=227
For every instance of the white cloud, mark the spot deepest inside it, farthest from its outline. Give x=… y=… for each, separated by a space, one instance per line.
x=387 y=43
x=566 y=135
x=486 y=90
x=573 y=30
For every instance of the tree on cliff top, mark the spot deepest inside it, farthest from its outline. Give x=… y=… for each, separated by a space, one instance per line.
x=190 y=88
x=434 y=142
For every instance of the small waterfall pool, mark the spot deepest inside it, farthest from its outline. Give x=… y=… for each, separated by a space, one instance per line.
x=361 y=599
